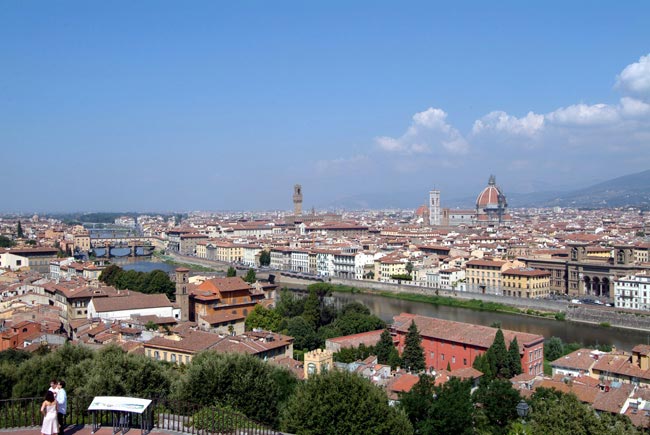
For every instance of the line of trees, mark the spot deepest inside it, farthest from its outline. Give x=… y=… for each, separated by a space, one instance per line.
x=156 y=281
x=334 y=402
x=310 y=320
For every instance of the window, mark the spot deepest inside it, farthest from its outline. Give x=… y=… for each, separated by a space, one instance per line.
x=464 y=361
x=453 y=358
x=173 y=358
x=442 y=356
x=156 y=355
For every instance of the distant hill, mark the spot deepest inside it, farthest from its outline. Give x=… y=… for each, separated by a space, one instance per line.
x=627 y=191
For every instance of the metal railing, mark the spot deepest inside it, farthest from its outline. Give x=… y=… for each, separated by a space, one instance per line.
x=164 y=415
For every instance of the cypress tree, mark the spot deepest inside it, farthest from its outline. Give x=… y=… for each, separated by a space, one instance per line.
x=498 y=356
x=514 y=359
x=413 y=355
x=482 y=364
x=20 y=234
x=385 y=347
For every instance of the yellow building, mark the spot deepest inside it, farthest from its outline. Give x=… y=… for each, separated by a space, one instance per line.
x=229 y=252
x=387 y=267
x=318 y=361
x=526 y=283
x=484 y=275
x=82 y=242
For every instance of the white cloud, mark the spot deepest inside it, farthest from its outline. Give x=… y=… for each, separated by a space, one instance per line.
x=635 y=77
x=583 y=114
x=500 y=121
x=429 y=131
x=633 y=108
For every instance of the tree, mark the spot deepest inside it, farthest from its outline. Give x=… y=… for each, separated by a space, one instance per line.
x=244 y=382
x=250 y=276
x=417 y=403
x=409 y=268
x=339 y=402
x=351 y=354
x=19 y=231
x=482 y=364
x=265 y=258
x=514 y=359
x=553 y=348
x=498 y=402
x=151 y=326
x=311 y=312
x=386 y=351
x=354 y=323
x=303 y=332
x=497 y=356
x=413 y=354
x=231 y=273
x=264 y=318
x=287 y=305
x=555 y=412
x=401 y=277
x=446 y=409
x=6 y=242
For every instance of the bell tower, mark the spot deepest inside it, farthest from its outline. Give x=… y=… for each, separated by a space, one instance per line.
x=297 y=200
x=182 y=295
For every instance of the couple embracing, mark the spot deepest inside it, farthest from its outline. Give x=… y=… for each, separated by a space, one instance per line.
x=54 y=408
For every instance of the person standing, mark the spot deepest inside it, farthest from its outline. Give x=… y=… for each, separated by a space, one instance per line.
x=49 y=410
x=62 y=402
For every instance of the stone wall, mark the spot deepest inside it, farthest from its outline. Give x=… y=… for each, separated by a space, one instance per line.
x=535 y=304
x=613 y=317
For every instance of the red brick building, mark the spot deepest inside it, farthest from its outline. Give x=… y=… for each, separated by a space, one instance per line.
x=14 y=336
x=457 y=344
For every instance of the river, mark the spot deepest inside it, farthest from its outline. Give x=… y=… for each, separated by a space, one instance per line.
x=130 y=263
x=587 y=334
x=386 y=308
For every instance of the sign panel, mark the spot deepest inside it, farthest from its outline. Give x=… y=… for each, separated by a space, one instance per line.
x=112 y=403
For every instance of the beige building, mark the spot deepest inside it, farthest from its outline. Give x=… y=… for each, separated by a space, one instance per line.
x=82 y=242
x=318 y=361
x=387 y=267
x=526 y=283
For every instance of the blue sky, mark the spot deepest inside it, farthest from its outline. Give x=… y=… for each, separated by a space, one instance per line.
x=160 y=105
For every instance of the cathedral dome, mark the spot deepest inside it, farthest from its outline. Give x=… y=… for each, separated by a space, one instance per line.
x=491 y=197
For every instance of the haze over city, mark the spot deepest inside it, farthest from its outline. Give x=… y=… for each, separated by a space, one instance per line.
x=149 y=106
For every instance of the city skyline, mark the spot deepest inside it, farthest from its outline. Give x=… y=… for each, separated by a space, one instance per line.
x=154 y=107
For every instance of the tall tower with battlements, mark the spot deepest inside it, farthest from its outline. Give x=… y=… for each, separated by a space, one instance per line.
x=182 y=295
x=297 y=200
x=434 y=207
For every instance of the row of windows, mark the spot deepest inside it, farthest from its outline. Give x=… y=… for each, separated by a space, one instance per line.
x=172 y=357
x=453 y=358
x=534 y=354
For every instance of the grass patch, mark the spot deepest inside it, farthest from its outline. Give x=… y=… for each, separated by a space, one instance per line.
x=605 y=324
x=169 y=260
x=474 y=304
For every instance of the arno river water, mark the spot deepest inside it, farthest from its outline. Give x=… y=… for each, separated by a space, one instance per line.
x=386 y=308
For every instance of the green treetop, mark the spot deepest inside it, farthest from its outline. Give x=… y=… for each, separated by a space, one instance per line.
x=413 y=355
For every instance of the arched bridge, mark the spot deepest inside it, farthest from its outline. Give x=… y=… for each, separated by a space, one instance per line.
x=122 y=246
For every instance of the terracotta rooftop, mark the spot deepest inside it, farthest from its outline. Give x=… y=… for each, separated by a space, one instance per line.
x=134 y=301
x=447 y=330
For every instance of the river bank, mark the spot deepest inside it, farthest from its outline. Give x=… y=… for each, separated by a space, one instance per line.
x=561 y=312
x=173 y=261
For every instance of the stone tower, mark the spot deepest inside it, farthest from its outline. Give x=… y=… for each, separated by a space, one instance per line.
x=318 y=361
x=434 y=207
x=297 y=200
x=182 y=295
